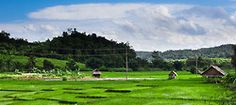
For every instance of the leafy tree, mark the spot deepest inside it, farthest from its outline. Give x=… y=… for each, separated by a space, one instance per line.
x=72 y=65
x=9 y=64
x=47 y=65
x=178 y=65
x=133 y=64
x=191 y=62
x=204 y=62
x=18 y=65
x=142 y=62
x=94 y=63
x=199 y=62
x=193 y=70
x=167 y=66
x=233 y=58
x=157 y=60
x=31 y=64
x=1 y=65
x=4 y=36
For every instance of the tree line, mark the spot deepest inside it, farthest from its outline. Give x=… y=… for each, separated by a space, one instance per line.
x=86 y=48
x=223 y=51
x=94 y=51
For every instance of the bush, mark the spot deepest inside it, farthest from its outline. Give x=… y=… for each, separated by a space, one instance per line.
x=72 y=65
x=36 y=70
x=214 y=80
x=6 y=77
x=178 y=65
x=64 y=78
x=8 y=65
x=193 y=70
x=102 y=68
x=31 y=63
x=230 y=78
x=47 y=65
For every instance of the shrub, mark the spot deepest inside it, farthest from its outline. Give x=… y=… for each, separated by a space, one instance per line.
x=47 y=65
x=72 y=65
x=178 y=65
x=230 y=78
x=31 y=63
x=6 y=77
x=64 y=78
x=214 y=80
x=102 y=68
x=193 y=70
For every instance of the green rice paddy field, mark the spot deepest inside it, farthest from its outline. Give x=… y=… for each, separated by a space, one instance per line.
x=187 y=89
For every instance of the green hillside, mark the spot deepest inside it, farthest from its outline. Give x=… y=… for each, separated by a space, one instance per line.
x=39 y=61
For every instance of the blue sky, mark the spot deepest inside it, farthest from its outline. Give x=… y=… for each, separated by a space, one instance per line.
x=147 y=24
x=23 y=7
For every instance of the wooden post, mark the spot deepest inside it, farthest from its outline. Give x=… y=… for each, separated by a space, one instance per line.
x=196 y=61
x=127 y=65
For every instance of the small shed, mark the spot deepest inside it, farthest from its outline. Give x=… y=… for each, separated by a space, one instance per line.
x=172 y=75
x=213 y=72
x=96 y=73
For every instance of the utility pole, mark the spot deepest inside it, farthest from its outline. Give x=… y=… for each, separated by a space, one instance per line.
x=196 y=61
x=126 y=64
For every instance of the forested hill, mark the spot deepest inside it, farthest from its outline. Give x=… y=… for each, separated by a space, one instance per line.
x=223 y=51
x=69 y=43
x=80 y=46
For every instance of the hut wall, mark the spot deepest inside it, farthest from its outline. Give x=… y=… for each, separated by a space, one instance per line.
x=212 y=72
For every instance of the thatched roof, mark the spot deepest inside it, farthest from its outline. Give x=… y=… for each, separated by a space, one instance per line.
x=173 y=72
x=215 y=68
x=96 y=72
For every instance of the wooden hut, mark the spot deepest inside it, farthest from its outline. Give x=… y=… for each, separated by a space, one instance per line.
x=172 y=75
x=96 y=73
x=213 y=72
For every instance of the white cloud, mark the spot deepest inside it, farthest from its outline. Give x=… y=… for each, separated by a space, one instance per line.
x=85 y=11
x=145 y=26
x=209 y=12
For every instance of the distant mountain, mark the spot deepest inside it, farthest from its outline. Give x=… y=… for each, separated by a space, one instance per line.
x=223 y=51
